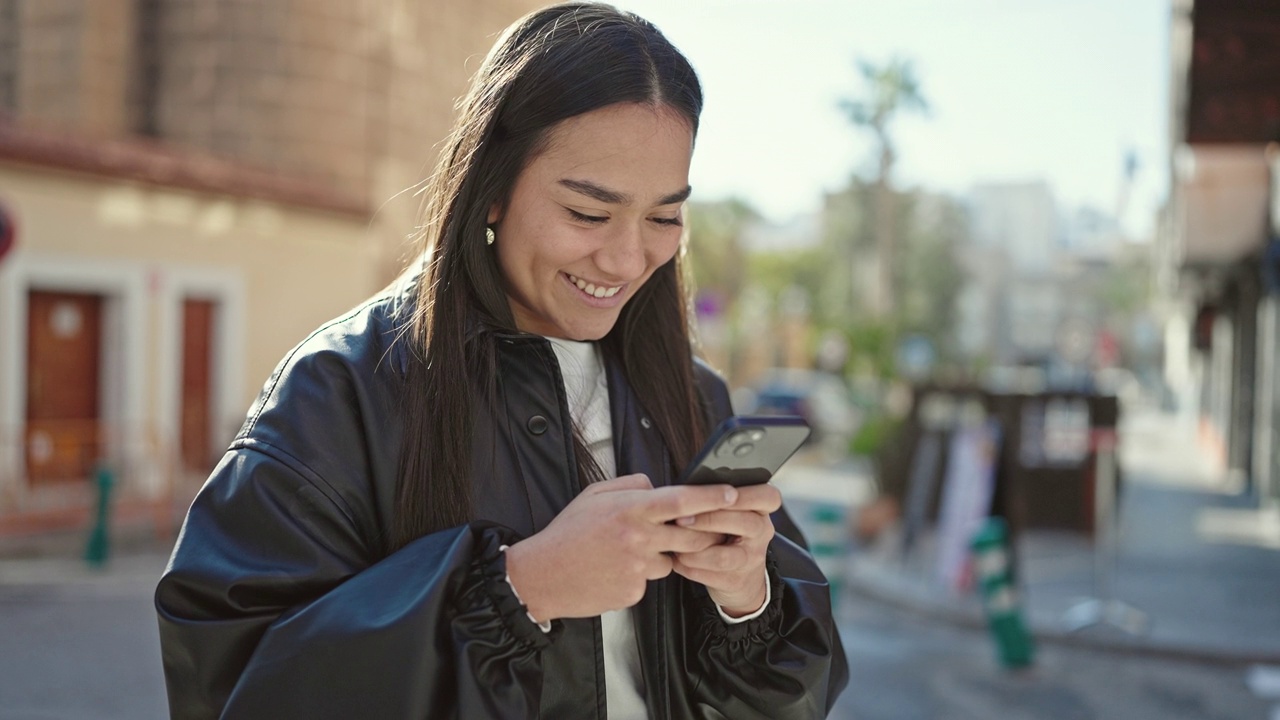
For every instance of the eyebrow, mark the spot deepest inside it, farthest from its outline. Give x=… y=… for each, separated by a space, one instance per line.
x=613 y=197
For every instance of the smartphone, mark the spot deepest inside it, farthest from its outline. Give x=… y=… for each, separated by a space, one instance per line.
x=746 y=450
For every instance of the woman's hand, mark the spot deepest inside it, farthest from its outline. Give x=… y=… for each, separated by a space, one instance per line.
x=733 y=572
x=601 y=550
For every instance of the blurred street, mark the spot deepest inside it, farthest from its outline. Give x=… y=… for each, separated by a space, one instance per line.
x=76 y=647
x=908 y=668
x=77 y=643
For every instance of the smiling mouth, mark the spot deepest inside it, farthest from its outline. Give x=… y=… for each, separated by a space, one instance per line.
x=598 y=291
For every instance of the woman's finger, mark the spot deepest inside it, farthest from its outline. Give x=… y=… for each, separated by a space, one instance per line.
x=730 y=522
x=676 y=501
x=658 y=567
x=732 y=558
x=673 y=538
x=762 y=498
x=717 y=580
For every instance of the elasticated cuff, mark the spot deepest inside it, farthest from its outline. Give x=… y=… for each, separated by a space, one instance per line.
x=490 y=567
x=760 y=627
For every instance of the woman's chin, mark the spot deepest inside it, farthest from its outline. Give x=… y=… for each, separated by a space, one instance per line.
x=587 y=332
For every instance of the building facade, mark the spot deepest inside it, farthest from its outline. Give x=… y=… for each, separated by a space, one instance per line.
x=1219 y=252
x=193 y=186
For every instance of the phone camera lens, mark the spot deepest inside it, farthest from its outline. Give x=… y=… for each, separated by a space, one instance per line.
x=755 y=434
x=744 y=449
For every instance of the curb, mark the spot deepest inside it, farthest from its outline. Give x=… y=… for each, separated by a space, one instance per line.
x=973 y=619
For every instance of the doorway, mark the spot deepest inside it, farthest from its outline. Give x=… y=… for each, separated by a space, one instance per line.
x=197 y=384
x=63 y=437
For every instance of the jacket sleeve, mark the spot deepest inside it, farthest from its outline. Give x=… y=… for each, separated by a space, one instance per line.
x=273 y=607
x=788 y=662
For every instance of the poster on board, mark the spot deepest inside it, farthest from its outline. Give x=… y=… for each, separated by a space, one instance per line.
x=966 y=498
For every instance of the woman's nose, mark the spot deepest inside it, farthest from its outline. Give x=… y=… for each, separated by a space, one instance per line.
x=622 y=255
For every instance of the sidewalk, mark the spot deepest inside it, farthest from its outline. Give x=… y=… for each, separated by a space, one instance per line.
x=1192 y=555
x=55 y=563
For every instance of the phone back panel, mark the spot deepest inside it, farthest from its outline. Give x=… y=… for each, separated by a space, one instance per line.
x=747 y=450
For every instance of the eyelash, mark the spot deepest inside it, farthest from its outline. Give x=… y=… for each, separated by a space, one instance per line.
x=598 y=220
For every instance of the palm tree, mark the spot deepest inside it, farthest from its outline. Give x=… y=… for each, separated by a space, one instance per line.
x=887 y=90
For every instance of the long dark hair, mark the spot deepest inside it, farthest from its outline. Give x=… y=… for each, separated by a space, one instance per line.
x=551 y=65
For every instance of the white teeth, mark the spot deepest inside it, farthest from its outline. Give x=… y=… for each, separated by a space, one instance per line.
x=591 y=288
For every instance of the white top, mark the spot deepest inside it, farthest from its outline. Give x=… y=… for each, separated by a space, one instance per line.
x=587 y=389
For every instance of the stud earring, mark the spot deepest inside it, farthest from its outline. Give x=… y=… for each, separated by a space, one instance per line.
x=489 y=237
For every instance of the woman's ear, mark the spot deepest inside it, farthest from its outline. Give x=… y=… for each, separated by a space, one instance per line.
x=495 y=214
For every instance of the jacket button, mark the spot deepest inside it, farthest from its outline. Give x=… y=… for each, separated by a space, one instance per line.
x=537 y=424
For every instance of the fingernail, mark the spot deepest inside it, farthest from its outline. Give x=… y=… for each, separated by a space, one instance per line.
x=686 y=521
x=731 y=495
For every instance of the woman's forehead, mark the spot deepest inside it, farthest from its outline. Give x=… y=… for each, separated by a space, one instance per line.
x=645 y=147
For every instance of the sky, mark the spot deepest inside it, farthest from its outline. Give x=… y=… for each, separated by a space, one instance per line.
x=1019 y=90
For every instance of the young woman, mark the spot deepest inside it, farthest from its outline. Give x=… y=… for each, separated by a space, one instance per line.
x=456 y=501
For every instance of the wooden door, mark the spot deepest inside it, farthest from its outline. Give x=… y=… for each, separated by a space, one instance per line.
x=64 y=349
x=197 y=371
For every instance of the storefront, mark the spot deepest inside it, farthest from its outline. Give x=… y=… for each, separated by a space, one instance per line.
x=1219 y=240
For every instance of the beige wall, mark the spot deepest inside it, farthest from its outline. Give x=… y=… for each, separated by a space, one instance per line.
x=350 y=97
x=277 y=272
x=355 y=96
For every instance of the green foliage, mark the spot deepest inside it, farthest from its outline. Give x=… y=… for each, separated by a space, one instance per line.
x=873 y=434
x=775 y=271
x=715 y=252
x=872 y=344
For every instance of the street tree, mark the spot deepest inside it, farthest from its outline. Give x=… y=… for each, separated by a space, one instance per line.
x=886 y=91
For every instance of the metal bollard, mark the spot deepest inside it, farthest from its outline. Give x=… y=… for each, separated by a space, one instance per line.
x=1000 y=598
x=99 y=546
x=828 y=543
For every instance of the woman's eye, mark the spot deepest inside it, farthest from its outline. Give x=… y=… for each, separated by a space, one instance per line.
x=580 y=217
x=673 y=221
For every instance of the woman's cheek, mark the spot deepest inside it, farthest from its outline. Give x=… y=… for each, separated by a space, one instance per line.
x=667 y=249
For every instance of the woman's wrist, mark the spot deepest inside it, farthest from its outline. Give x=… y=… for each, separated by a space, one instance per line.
x=544 y=626
x=522 y=578
x=742 y=611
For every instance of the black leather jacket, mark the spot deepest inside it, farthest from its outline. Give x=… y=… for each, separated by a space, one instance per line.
x=279 y=602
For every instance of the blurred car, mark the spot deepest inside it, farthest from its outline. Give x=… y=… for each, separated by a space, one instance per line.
x=821 y=398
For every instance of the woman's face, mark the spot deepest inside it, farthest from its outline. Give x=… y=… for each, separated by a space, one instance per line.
x=592 y=217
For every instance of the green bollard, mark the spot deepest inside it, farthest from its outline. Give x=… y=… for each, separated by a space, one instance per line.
x=999 y=596
x=99 y=547
x=828 y=541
